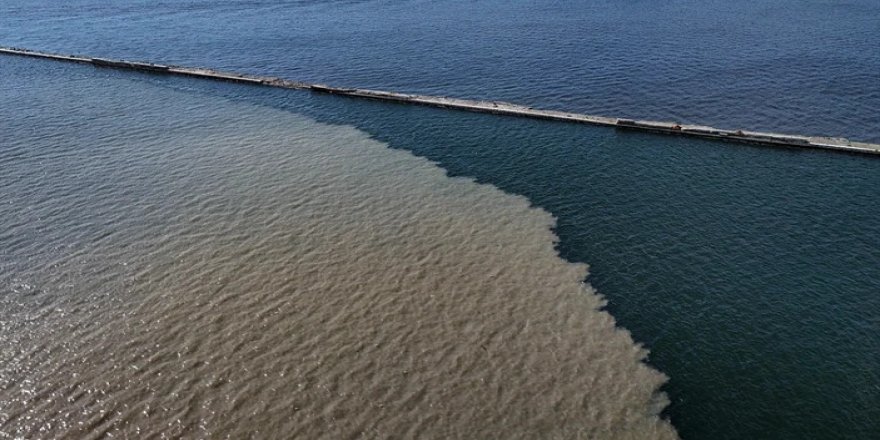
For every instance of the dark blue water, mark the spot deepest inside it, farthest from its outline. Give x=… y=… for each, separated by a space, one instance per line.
x=752 y=274
x=799 y=66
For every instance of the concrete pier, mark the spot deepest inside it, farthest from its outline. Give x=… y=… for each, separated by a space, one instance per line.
x=501 y=108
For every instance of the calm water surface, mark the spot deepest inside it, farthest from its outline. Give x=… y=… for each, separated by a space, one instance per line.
x=799 y=66
x=751 y=274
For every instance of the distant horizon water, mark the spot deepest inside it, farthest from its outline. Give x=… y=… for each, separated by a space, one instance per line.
x=793 y=66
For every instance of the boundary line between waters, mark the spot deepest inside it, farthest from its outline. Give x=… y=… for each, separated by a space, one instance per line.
x=494 y=107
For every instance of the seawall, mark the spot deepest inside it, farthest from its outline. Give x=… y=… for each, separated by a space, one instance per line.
x=500 y=108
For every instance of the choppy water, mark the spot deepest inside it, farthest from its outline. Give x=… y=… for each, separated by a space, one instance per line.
x=195 y=266
x=751 y=273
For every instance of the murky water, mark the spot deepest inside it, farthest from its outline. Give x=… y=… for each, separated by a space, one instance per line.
x=180 y=264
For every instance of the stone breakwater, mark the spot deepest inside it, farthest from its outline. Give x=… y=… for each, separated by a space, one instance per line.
x=495 y=107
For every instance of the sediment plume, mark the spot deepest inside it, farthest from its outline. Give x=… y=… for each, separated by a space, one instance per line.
x=199 y=267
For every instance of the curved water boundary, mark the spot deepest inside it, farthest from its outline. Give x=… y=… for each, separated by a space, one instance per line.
x=231 y=269
x=495 y=107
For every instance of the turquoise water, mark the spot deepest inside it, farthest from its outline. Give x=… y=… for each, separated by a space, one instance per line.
x=751 y=274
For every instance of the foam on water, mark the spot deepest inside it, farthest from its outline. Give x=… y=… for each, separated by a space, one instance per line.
x=180 y=264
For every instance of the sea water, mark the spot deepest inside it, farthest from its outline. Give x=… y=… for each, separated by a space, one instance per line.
x=750 y=273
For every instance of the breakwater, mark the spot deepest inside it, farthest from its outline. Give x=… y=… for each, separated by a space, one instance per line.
x=495 y=107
